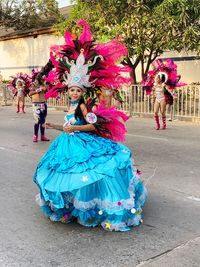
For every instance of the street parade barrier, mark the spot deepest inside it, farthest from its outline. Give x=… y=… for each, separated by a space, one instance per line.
x=186 y=104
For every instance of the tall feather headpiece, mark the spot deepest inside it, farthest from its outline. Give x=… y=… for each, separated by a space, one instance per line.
x=22 y=77
x=82 y=62
x=166 y=68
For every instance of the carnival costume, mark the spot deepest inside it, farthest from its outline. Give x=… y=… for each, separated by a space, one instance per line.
x=39 y=114
x=166 y=70
x=39 y=106
x=20 y=91
x=86 y=175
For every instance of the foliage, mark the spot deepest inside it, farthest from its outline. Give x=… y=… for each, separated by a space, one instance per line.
x=147 y=27
x=29 y=14
x=8 y=12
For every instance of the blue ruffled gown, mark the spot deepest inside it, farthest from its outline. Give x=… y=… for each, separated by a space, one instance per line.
x=89 y=178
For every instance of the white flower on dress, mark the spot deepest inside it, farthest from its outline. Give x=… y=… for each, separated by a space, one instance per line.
x=84 y=178
x=125 y=151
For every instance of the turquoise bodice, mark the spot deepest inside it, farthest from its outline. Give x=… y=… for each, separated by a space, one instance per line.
x=70 y=120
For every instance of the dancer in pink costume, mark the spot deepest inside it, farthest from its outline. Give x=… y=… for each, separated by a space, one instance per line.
x=162 y=82
x=20 y=86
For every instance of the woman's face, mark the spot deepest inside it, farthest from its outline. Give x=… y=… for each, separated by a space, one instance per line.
x=19 y=83
x=158 y=80
x=36 y=82
x=75 y=93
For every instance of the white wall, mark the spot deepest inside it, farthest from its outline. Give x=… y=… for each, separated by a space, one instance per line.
x=18 y=55
x=189 y=70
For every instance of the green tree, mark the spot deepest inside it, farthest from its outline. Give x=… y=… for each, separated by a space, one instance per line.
x=28 y=14
x=8 y=11
x=147 y=27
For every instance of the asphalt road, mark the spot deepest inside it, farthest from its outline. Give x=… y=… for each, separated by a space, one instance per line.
x=170 y=235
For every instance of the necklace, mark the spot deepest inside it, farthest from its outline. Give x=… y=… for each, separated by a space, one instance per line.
x=74 y=101
x=74 y=104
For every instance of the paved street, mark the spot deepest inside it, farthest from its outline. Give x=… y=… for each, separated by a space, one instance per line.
x=170 y=235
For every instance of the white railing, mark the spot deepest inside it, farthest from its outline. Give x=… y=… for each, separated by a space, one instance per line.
x=186 y=104
x=136 y=102
x=62 y=102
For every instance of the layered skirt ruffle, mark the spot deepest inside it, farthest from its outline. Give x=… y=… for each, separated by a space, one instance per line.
x=92 y=179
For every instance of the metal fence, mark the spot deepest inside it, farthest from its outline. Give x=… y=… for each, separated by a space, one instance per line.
x=186 y=105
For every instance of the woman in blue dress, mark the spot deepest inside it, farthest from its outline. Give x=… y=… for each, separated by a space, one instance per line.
x=84 y=176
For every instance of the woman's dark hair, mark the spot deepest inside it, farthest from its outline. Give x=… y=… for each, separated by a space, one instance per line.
x=163 y=78
x=78 y=112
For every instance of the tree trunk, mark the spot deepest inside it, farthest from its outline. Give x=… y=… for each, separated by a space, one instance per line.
x=151 y=59
x=133 y=75
x=142 y=68
x=134 y=65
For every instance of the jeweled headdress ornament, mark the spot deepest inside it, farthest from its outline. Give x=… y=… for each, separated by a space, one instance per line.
x=78 y=75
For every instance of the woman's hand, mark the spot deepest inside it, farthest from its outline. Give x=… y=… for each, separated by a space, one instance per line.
x=38 y=90
x=174 y=95
x=48 y=125
x=69 y=129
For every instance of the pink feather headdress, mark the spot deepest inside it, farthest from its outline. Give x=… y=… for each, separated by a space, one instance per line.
x=162 y=67
x=84 y=63
x=24 y=78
